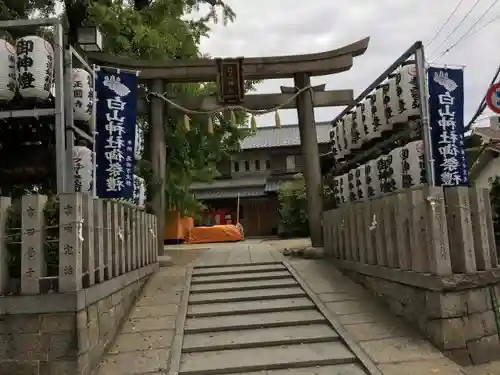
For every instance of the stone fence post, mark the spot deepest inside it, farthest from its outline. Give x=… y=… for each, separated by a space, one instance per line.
x=5 y=203
x=33 y=266
x=155 y=235
x=70 y=242
x=99 y=239
x=88 y=240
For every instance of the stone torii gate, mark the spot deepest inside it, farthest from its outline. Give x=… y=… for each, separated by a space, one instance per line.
x=299 y=67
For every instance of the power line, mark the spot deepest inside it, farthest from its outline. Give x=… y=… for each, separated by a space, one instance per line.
x=445 y=22
x=466 y=34
x=458 y=25
x=485 y=25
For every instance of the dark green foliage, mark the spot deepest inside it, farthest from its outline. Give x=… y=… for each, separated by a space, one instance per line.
x=292 y=197
x=495 y=206
x=156 y=30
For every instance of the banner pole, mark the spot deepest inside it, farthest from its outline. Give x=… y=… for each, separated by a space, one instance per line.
x=238 y=209
x=424 y=114
x=69 y=186
x=94 y=132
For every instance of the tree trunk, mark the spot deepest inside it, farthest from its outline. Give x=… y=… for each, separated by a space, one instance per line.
x=77 y=14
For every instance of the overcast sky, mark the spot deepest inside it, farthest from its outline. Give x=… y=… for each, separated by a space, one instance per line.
x=282 y=27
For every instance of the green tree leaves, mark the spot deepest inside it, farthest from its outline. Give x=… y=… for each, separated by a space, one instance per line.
x=292 y=197
x=158 y=30
x=162 y=30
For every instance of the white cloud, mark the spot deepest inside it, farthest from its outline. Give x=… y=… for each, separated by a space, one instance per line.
x=281 y=27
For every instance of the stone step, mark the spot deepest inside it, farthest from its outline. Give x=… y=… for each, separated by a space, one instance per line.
x=165 y=261
x=234 y=270
x=240 y=277
x=243 y=285
x=266 y=358
x=352 y=369
x=245 y=295
x=258 y=337
x=197 y=267
x=249 y=307
x=250 y=321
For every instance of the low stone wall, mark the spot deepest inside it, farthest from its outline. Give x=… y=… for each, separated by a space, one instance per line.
x=459 y=314
x=56 y=334
x=430 y=253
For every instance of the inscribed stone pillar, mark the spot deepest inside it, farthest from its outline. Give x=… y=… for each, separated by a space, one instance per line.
x=371 y=255
x=461 y=240
x=403 y=228
x=388 y=219
x=144 y=238
x=133 y=231
x=108 y=239
x=88 y=235
x=310 y=152
x=32 y=247
x=99 y=239
x=327 y=233
x=150 y=240
x=70 y=242
x=158 y=156
x=122 y=262
x=439 y=245
x=379 y=232
x=154 y=234
x=360 y=225
x=5 y=203
x=128 y=237
x=480 y=228
x=353 y=232
x=115 y=230
x=420 y=238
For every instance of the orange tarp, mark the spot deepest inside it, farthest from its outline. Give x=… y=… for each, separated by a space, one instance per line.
x=177 y=227
x=216 y=233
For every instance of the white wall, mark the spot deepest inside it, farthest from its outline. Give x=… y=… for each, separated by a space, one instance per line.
x=489 y=172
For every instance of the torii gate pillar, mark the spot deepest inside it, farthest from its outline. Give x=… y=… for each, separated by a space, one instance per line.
x=310 y=152
x=158 y=151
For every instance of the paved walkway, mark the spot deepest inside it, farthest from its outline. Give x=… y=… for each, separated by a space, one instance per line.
x=144 y=345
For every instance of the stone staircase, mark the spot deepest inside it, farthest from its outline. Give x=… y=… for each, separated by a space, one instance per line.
x=245 y=318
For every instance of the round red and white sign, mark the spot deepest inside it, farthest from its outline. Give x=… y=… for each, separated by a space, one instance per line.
x=493 y=98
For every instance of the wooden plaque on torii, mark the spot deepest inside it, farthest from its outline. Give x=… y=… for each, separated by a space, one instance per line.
x=230 y=81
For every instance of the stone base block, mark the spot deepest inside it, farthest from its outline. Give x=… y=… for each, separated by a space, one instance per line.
x=70 y=342
x=484 y=350
x=461 y=323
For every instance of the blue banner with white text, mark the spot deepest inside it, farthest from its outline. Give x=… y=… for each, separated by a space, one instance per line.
x=115 y=142
x=446 y=107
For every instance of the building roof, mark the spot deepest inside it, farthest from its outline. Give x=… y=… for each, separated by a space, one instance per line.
x=244 y=187
x=230 y=193
x=287 y=135
x=230 y=183
x=487 y=133
x=490 y=136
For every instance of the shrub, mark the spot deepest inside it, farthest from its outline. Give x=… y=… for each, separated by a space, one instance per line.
x=293 y=211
